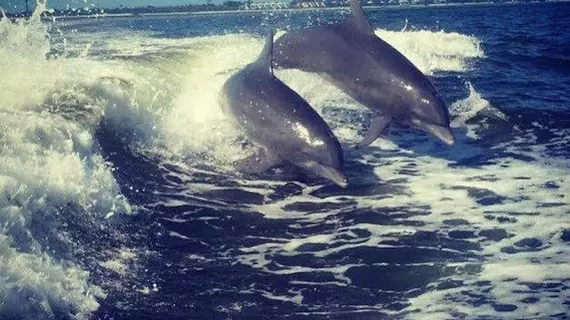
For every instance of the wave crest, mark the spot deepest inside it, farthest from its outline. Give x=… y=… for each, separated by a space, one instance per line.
x=435 y=51
x=466 y=110
x=51 y=172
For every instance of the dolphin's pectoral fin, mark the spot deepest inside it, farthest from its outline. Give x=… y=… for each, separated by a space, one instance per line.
x=377 y=126
x=259 y=162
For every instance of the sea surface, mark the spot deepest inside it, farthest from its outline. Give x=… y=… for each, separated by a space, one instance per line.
x=118 y=198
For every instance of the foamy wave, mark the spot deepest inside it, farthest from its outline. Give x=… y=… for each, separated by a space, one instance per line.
x=435 y=51
x=34 y=286
x=196 y=123
x=51 y=171
x=21 y=39
x=467 y=109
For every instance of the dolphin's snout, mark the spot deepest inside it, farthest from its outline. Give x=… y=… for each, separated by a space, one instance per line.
x=333 y=174
x=443 y=133
x=340 y=179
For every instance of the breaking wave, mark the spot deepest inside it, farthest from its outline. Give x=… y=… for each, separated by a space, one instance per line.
x=51 y=172
x=435 y=51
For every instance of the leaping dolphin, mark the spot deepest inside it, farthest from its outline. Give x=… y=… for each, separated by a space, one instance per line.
x=281 y=122
x=371 y=71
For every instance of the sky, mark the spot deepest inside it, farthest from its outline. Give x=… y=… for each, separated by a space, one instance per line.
x=19 y=5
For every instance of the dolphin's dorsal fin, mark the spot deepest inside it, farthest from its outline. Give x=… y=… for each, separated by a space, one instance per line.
x=357 y=18
x=266 y=57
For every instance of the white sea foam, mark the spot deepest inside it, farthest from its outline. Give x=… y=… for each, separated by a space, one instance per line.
x=508 y=195
x=435 y=51
x=34 y=286
x=467 y=109
x=507 y=269
x=120 y=261
x=196 y=123
x=50 y=168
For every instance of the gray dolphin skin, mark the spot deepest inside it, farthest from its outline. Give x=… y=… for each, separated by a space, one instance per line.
x=277 y=119
x=368 y=69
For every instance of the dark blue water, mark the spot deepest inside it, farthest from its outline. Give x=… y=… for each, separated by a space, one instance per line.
x=479 y=230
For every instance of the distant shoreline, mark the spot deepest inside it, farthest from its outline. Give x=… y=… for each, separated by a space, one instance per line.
x=256 y=11
x=374 y=8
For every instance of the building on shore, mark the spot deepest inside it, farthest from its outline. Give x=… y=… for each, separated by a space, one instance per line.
x=305 y=4
x=265 y=5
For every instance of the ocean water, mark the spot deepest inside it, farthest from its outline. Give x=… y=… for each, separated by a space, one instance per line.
x=118 y=199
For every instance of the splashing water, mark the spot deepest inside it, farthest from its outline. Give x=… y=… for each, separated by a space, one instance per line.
x=435 y=51
x=467 y=109
x=50 y=170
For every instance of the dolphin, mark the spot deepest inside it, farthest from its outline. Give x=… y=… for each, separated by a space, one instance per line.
x=369 y=70
x=280 y=122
